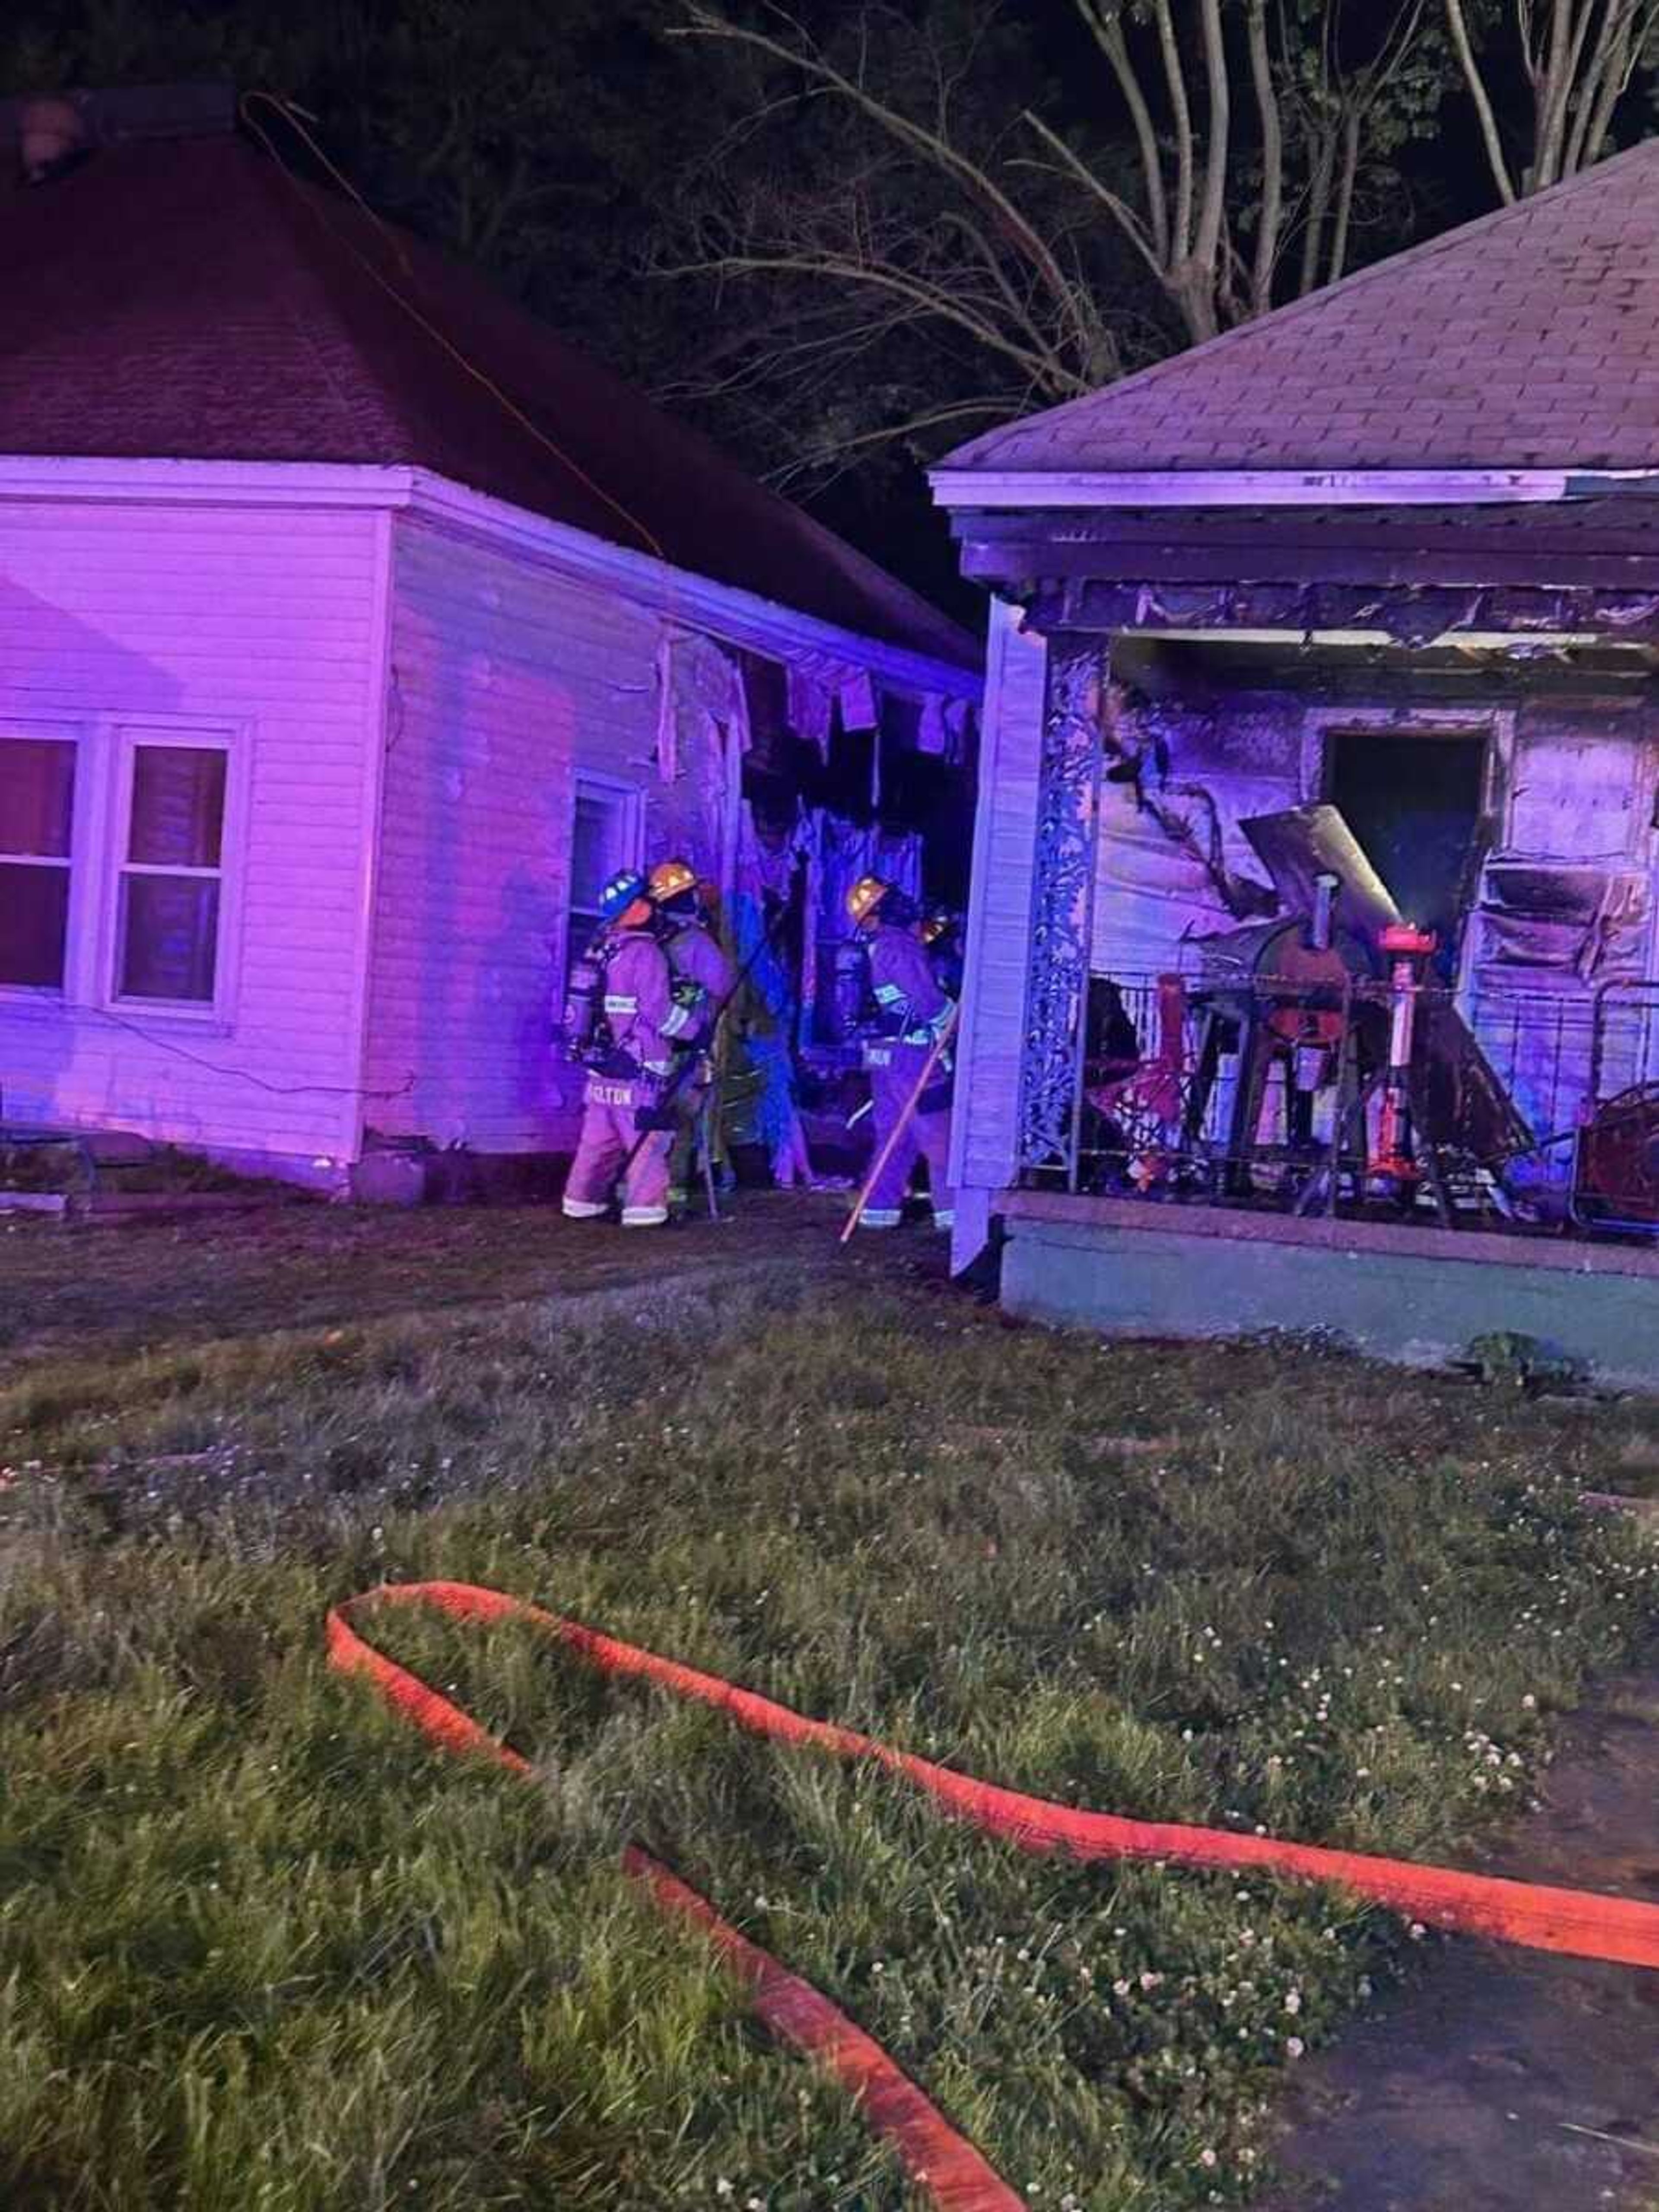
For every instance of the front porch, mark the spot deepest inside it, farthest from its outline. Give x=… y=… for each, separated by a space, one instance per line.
x=1338 y=1007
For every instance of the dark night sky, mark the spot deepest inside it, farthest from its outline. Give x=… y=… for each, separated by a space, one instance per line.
x=618 y=120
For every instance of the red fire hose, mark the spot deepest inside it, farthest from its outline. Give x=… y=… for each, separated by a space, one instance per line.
x=959 y=2179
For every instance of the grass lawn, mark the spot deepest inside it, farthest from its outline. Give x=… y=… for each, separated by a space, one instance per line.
x=261 y=1951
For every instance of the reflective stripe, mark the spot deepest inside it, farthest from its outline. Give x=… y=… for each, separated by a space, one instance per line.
x=581 y=1209
x=679 y=1020
x=887 y=993
x=614 y=1003
x=944 y=1217
x=880 y=1217
x=660 y=1066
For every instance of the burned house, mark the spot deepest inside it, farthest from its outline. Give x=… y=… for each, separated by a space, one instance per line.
x=353 y=629
x=1310 y=962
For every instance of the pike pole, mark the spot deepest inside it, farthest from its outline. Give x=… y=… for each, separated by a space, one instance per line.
x=903 y=1123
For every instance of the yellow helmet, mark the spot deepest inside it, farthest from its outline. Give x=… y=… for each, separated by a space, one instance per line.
x=866 y=896
x=672 y=879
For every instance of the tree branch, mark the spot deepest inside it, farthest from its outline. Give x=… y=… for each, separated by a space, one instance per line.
x=707 y=22
x=1134 y=230
x=1270 y=213
x=1213 y=206
x=1181 y=226
x=1108 y=31
x=1457 y=24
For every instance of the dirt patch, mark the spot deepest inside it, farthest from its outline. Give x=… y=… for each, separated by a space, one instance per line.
x=1509 y=2081
x=148 y=1284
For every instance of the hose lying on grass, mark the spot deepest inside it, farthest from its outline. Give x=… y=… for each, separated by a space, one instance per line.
x=1579 y=1922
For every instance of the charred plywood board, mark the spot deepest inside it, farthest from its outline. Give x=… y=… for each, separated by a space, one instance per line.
x=1466 y=1106
x=1574 y=797
x=1304 y=843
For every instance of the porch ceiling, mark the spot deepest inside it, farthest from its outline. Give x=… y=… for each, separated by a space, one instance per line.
x=1198 y=662
x=1610 y=542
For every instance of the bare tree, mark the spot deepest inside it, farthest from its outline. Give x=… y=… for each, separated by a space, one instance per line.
x=1311 y=118
x=1009 y=256
x=1579 y=58
x=1347 y=115
x=911 y=239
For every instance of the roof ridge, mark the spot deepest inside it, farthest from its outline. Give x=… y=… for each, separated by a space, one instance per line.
x=1426 y=249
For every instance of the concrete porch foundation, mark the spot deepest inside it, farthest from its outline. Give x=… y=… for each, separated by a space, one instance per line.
x=1129 y=1267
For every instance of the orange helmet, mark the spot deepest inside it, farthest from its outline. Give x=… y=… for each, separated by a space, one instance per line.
x=866 y=896
x=672 y=879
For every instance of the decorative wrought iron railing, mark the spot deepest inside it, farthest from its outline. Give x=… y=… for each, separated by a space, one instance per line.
x=1515 y=1108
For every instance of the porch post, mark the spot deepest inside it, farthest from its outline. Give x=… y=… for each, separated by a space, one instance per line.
x=1062 y=910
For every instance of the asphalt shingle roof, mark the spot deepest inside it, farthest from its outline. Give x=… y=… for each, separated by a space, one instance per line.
x=185 y=299
x=1528 y=339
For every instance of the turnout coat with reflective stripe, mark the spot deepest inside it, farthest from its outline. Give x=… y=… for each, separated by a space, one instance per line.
x=908 y=999
x=695 y=953
x=638 y=1000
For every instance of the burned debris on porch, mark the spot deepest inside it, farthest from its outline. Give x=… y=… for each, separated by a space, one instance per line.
x=1411 y=991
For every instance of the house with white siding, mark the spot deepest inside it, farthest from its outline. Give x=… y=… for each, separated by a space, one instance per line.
x=353 y=628
x=1312 y=966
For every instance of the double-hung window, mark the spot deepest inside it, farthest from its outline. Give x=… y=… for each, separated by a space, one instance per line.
x=37 y=821
x=170 y=877
x=604 y=838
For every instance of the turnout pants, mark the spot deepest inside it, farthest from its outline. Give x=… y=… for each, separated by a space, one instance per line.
x=609 y=1133
x=683 y=1146
x=895 y=1071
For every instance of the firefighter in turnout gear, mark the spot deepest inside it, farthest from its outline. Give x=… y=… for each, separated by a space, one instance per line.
x=941 y=933
x=621 y=1026
x=908 y=1010
x=702 y=979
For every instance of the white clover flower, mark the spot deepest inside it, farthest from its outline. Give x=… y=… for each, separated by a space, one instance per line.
x=1294 y=2046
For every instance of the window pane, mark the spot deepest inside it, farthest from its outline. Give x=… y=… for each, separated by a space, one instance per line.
x=34 y=910
x=37 y=795
x=169 y=930
x=178 y=805
x=596 y=848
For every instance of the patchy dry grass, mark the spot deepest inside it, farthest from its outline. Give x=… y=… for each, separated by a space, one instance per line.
x=259 y=1950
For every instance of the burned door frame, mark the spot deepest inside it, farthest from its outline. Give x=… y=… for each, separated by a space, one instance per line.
x=1495 y=724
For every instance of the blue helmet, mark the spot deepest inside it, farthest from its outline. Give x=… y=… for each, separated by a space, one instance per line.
x=625 y=888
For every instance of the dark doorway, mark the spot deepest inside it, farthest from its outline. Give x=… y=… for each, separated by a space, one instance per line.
x=1413 y=802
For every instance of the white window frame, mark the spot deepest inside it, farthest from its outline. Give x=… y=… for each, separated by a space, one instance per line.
x=232 y=740
x=631 y=801
x=82 y=846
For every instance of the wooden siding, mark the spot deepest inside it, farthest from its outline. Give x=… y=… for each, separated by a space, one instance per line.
x=984 y=1140
x=509 y=679
x=506 y=681
x=114 y=615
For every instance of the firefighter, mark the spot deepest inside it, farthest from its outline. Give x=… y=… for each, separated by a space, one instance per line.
x=703 y=979
x=941 y=933
x=621 y=1026
x=906 y=1016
